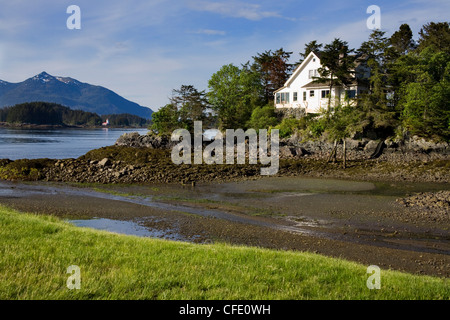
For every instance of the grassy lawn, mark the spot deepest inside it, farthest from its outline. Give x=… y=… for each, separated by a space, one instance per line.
x=35 y=252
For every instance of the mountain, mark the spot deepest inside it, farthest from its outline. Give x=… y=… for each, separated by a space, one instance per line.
x=69 y=92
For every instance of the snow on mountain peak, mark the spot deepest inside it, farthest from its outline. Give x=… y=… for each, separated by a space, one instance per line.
x=43 y=76
x=66 y=80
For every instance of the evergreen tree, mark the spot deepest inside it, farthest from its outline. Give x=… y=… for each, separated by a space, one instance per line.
x=45 y=113
x=376 y=111
x=337 y=66
x=191 y=105
x=311 y=46
x=436 y=36
x=402 y=40
x=425 y=93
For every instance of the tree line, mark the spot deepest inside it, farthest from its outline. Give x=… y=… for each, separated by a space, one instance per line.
x=126 y=120
x=45 y=113
x=408 y=90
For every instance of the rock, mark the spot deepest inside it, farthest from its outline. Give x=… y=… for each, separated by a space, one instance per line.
x=353 y=144
x=371 y=146
x=105 y=162
x=391 y=144
x=290 y=151
x=287 y=152
x=301 y=152
x=136 y=140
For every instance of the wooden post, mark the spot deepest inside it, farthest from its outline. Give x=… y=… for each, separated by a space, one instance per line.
x=333 y=152
x=344 y=149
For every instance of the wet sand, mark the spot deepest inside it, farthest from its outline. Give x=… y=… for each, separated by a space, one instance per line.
x=358 y=221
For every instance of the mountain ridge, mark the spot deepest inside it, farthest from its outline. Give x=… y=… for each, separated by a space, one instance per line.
x=69 y=92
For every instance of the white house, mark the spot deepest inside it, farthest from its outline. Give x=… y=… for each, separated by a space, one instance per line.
x=300 y=91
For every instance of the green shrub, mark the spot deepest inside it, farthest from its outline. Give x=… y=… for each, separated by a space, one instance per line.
x=263 y=118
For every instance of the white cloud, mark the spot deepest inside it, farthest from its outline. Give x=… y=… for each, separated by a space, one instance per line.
x=234 y=9
x=355 y=32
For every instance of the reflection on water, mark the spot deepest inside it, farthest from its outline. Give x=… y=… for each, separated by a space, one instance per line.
x=56 y=143
x=126 y=227
x=25 y=140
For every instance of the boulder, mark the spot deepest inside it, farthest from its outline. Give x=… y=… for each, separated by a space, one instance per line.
x=290 y=152
x=105 y=162
x=371 y=146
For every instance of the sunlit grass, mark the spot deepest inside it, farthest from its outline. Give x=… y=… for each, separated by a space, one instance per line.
x=35 y=252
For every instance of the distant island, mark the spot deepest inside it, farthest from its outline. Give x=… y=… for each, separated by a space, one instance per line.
x=46 y=114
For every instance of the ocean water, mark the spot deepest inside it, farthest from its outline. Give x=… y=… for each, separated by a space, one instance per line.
x=56 y=143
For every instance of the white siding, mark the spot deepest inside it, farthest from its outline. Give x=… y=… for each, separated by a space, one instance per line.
x=300 y=78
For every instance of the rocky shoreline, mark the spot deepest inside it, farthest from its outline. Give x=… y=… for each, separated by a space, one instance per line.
x=406 y=149
x=410 y=148
x=147 y=159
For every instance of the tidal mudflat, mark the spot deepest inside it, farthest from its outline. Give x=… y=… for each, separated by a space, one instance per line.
x=355 y=220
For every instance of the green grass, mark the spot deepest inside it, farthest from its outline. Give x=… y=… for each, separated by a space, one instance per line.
x=35 y=252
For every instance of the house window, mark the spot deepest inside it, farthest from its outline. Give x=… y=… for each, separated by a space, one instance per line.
x=283 y=97
x=351 y=94
x=325 y=93
x=294 y=98
x=304 y=95
x=311 y=93
x=313 y=73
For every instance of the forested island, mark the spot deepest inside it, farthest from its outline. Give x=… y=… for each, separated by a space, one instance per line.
x=52 y=114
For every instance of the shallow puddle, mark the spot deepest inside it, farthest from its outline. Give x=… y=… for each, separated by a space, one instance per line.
x=126 y=227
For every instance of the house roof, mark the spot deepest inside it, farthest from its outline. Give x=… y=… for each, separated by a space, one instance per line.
x=279 y=89
x=358 y=60
x=299 y=68
x=314 y=85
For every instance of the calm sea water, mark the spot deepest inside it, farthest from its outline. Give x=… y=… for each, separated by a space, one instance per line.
x=56 y=143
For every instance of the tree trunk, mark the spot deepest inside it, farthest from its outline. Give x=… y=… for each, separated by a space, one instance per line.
x=329 y=98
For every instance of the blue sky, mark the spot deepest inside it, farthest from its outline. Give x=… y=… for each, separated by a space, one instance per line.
x=144 y=49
